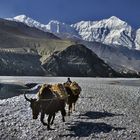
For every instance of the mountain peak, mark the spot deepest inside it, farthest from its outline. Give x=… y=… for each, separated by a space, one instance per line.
x=114 y=18
x=112 y=31
x=20 y=17
x=28 y=21
x=54 y=21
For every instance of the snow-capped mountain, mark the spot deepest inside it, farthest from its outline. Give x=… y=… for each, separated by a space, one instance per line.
x=112 y=31
x=56 y=27
x=29 y=21
x=137 y=39
x=108 y=31
x=118 y=43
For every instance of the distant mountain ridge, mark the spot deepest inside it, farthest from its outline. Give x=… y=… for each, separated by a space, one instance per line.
x=24 y=48
x=102 y=37
x=112 y=31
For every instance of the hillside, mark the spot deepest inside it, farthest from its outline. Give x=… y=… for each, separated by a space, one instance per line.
x=121 y=59
x=22 y=48
x=20 y=64
x=77 y=60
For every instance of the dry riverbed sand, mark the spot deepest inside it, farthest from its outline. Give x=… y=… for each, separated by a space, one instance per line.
x=106 y=109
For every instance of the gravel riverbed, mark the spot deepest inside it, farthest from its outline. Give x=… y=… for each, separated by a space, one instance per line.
x=107 y=109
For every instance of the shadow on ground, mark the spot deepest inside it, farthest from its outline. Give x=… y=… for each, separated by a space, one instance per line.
x=84 y=129
x=98 y=115
x=9 y=90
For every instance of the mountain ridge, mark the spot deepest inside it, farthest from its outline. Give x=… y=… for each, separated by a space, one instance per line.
x=114 y=55
x=111 y=31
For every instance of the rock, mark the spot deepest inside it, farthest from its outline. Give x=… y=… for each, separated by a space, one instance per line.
x=77 y=60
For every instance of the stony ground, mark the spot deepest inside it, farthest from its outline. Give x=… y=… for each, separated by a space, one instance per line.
x=106 y=109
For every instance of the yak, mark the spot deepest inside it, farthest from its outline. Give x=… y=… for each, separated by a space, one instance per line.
x=46 y=91
x=49 y=105
x=73 y=91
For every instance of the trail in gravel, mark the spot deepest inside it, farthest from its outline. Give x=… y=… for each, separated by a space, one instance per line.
x=106 y=109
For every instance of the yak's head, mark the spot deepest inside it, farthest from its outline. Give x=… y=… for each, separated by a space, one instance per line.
x=35 y=106
x=76 y=89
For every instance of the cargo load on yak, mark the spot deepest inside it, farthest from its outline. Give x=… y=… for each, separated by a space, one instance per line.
x=59 y=90
x=45 y=92
x=67 y=84
x=41 y=91
x=76 y=89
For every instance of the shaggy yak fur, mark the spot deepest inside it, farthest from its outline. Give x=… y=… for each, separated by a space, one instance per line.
x=47 y=104
x=73 y=91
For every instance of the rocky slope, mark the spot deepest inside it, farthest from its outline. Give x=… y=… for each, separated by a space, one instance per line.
x=22 y=48
x=18 y=28
x=120 y=58
x=20 y=64
x=18 y=37
x=77 y=60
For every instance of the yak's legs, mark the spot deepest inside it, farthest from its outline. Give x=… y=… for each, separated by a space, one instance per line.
x=49 y=119
x=63 y=113
x=73 y=106
x=42 y=118
x=53 y=117
x=70 y=109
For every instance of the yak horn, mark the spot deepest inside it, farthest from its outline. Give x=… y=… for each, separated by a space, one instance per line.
x=29 y=100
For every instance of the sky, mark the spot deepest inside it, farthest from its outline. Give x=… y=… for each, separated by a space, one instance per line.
x=72 y=11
